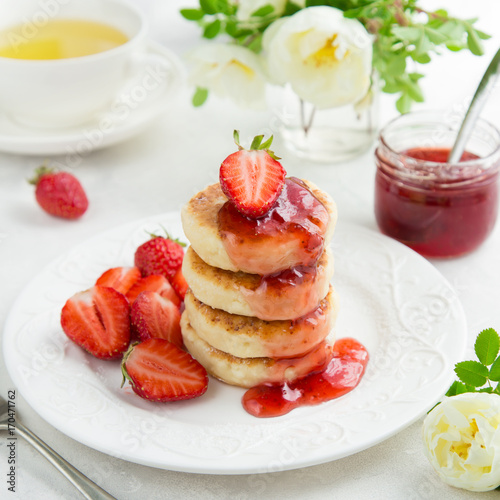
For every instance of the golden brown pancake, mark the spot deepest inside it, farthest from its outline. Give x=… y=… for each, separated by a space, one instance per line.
x=249 y=372
x=250 y=337
x=200 y=224
x=288 y=295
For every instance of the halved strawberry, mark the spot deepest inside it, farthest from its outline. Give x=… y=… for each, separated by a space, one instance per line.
x=98 y=320
x=153 y=283
x=252 y=179
x=119 y=278
x=154 y=316
x=179 y=284
x=159 y=371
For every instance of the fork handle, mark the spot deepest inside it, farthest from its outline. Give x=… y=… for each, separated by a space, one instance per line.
x=82 y=483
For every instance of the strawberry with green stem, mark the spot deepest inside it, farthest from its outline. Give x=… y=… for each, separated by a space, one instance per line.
x=159 y=255
x=252 y=179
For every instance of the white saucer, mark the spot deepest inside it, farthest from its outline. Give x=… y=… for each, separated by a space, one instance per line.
x=145 y=96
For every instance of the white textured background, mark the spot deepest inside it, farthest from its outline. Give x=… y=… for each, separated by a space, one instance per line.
x=157 y=172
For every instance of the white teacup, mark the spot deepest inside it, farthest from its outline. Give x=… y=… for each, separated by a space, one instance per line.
x=70 y=91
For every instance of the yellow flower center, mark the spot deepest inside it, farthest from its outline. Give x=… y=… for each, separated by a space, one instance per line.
x=328 y=54
x=249 y=72
x=462 y=448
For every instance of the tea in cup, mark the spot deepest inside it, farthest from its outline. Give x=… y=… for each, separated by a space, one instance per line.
x=64 y=61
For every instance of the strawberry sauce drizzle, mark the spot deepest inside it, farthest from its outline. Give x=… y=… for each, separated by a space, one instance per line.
x=292 y=232
x=288 y=294
x=342 y=374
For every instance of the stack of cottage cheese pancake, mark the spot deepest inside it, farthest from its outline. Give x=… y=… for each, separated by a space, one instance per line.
x=260 y=307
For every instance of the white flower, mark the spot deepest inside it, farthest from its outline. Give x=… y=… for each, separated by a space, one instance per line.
x=462 y=440
x=229 y=71
x=325 y=57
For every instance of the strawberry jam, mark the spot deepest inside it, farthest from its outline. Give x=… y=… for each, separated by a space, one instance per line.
x=438 y=208
x=342 y=374
x=289 y=234
x=435 y=216
x=291 y=293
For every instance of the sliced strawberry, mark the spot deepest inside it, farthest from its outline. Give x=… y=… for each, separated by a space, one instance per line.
x=119 y=278
x=98 y=320
x=253 y=179
x=153 y=283
x=159 y=371
x=159 y=255
x=154 y=316
x=179 y=284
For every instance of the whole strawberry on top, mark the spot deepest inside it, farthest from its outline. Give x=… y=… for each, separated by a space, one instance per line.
x=252 y=178
x=159 y=255
x=59 y=193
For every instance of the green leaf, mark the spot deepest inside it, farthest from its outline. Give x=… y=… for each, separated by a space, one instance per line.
x=423 y=44
x=482 y=35
x=256 y=44
x=256 y=142
x=435 y=36
x=192 y=14
x=486 y=389
x=453 y=30
x=407 y=33
x=403 y=104
x=208 y=6
x=267 y=144
x=236 y=137
x=212 y=30
x=263 y=11
x=396 y=65
x=487 y=346
x=474 y=42
x=291 y=8
x=472 y=373
x=455 y=46
x=421 y=58
x=456 y=388
x=495 y=370
x=224 y=7
x=200 y=96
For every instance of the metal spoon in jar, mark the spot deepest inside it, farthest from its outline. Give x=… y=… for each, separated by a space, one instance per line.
x=480 y=97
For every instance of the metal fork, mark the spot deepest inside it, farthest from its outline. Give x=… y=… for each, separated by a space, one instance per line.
x=82 y=483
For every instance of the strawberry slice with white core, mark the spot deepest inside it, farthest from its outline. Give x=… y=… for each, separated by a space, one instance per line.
x=98 y=320
x=159 y=371
x=252 y=179
x=153 y=283
x=119 y=278
x=154 y=316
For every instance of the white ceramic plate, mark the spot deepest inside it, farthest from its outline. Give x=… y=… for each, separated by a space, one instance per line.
x=155 y=79
x=392 y=300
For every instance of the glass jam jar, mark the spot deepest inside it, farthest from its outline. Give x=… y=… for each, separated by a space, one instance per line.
x=438 y=209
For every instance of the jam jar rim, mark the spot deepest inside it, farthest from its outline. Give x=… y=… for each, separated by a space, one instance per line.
x=436 y=114
x=414 y=169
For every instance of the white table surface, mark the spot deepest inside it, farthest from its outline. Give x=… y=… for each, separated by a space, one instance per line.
x=156 y=172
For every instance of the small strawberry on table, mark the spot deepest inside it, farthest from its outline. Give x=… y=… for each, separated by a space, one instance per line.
x=59 y=193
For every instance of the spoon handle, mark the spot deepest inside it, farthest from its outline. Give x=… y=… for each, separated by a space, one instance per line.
x=476 y=105
x=82 y=483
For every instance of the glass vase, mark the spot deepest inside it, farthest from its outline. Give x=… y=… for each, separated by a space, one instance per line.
x=331 y=135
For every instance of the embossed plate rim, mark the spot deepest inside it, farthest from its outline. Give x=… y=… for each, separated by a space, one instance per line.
x=213 y=434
